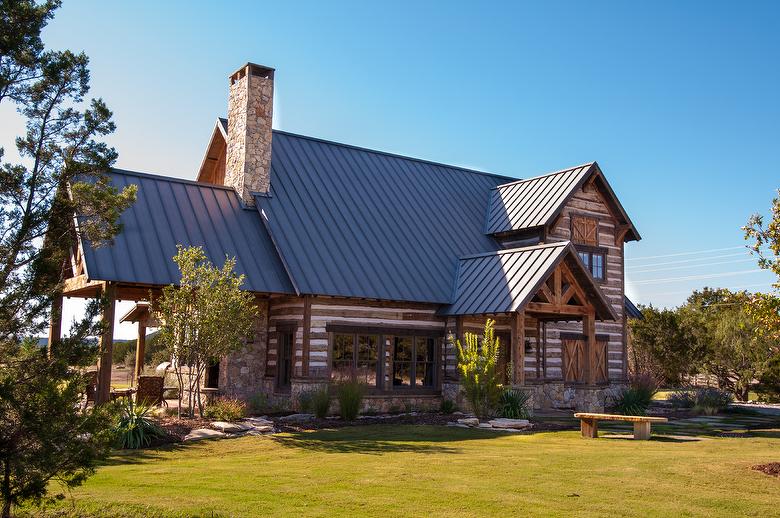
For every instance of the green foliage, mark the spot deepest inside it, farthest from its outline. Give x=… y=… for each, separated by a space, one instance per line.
x=304 y=402
x=447 y=406
x=153 y=350
x=477 y=364
x=136 y=427
x=320 y=402
x=44 y=435
x=710 y=400
x=514 y=403
x=225 y=409
x=769 y=380
x=258 y=403
x=661 y=346
x=205 y=318
x=636 y=398
x=683 y=398
x=350 y=396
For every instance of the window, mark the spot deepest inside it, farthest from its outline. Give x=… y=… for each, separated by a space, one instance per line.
x=284 y=361
x=595 y=262
x=384 y=361
x=355 y=357
x=414 y=362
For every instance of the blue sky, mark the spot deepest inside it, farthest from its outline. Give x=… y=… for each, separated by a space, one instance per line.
x=677 y=101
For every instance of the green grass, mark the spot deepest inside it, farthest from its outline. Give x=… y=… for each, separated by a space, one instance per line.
x=436 y=471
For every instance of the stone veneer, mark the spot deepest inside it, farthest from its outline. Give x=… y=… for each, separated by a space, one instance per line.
x=250 y=112
x=242 y=374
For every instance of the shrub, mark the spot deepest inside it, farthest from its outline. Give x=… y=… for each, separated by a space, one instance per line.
x=769 y=380
x=447 y=406
x=477 y=364
x=635 y=399
x=225 y=409
x=258 y=403
x=350 y=396
x=683 y=398
x=136 y=426
x=513 y=404
x=304 y=401
x=320 y=402
x=710 y=401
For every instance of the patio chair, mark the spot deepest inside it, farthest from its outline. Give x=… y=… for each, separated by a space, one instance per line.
x=150 y=390
x=91 y=387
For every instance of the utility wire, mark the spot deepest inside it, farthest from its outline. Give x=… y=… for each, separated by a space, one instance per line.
x=694 y=260
x=696 y=277
x=696 y=252
x=748 y=260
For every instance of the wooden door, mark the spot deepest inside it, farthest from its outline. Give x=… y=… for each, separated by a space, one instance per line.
x=285 y=342
x=600 y=359
x=573 y=360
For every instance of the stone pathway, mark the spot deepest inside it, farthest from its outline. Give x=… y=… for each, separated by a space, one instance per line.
x=224 y=429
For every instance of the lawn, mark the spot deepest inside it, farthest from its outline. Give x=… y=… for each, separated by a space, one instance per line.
x=436 y=471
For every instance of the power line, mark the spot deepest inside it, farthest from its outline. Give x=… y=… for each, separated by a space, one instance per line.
x=749 y=259
x=696 y=277
x=732 y=288
x=696 y=252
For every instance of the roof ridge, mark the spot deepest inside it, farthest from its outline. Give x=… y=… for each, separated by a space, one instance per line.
x=519 y=249
x=164 y=178
x=388 y=153
x=560 y=171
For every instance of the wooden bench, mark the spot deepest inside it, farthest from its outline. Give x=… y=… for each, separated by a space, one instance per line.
x=590 y=428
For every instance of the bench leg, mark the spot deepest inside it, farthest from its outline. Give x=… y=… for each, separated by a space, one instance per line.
x=642 y=431
x=589 y=428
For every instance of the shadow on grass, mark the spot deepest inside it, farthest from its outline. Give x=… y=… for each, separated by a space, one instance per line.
x=376 y=440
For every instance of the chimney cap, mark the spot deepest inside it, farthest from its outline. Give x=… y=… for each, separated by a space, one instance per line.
x=253 y=69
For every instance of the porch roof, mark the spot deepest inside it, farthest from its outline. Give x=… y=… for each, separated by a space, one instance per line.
x=506 y=280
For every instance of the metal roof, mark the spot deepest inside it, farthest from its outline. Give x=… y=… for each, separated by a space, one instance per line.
x=533 y=202
x=168 y=211
x=631 y=310
x=504 y=281
x=349 y=221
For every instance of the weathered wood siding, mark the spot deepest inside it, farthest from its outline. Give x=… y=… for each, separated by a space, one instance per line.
x=287 y=310
x=589 y=202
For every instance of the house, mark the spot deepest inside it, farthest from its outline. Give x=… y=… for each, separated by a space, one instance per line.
x=368 y=265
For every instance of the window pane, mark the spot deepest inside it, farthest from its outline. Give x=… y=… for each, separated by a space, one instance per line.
x=367 y=347
x=402 y=361
x=585 y=256
x=423 y=374
x=598 y=266
x=424 y=349
x=342 y=370
x=343 y=347
x=366 y=373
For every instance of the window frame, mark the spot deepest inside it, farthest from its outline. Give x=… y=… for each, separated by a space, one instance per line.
x=590 y=251
x=355 y=356
x=284 y=329
x=435 y=365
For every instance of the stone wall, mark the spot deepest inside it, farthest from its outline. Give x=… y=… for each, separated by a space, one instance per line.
x=242 y=374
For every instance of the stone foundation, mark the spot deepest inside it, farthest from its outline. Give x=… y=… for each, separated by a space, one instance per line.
x=573 y=397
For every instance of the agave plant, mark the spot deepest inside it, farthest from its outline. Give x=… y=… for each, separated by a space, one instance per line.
x=136 y=426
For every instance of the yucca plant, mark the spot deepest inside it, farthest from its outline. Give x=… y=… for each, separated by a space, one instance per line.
x=136 y=426
x=477 y=364
x=513 y=403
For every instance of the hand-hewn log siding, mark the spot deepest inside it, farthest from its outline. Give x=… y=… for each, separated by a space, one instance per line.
x=286 y=310
x=331 y=310
x=590 y=203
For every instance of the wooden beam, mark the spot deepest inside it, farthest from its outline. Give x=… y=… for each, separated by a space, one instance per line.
x=620 y=233
x=519 y=319
x=306 y=335
x=555 y=309
x=589 y=330
x=81 y=286
x=55 y=326
x=140 y=348
x=103 y=394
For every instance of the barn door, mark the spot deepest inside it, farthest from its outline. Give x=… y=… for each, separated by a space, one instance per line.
x=573 y=360
x=600 y=358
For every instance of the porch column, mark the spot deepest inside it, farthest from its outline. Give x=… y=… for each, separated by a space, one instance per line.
x=103 y=393
x=517 y=350
x=55 y=325
x=589 y=330
x=140 y=347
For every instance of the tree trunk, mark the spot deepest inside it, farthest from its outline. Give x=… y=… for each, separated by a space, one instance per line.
x=6 y=490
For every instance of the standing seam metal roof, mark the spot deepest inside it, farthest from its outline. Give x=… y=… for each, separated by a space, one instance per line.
x=504 y=281
x=354 y=222
x=169 y=211
x=531 y=203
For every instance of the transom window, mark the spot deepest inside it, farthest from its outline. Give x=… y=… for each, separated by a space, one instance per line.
x=595 y=262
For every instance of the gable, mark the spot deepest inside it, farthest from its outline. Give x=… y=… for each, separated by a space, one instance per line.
x=536 y=203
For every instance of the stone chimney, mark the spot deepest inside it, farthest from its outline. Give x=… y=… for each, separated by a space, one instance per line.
x=250 y=109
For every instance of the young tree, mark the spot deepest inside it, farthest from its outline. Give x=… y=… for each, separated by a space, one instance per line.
x=764 y=308
x=203 y=319
x=43 y=435
x=478 y=367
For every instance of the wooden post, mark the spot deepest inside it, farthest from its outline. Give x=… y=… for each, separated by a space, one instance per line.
x=589 y=428
x=642 y=431
x=589 y=330
x=140 y=347
x=55 y=325
x=306 y=336
x=103 y=393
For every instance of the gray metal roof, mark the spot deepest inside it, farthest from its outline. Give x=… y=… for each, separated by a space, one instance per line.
x=168 y=211
x=355 y=222
x=533 y=202
x=504 y=281
x=631 y=310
